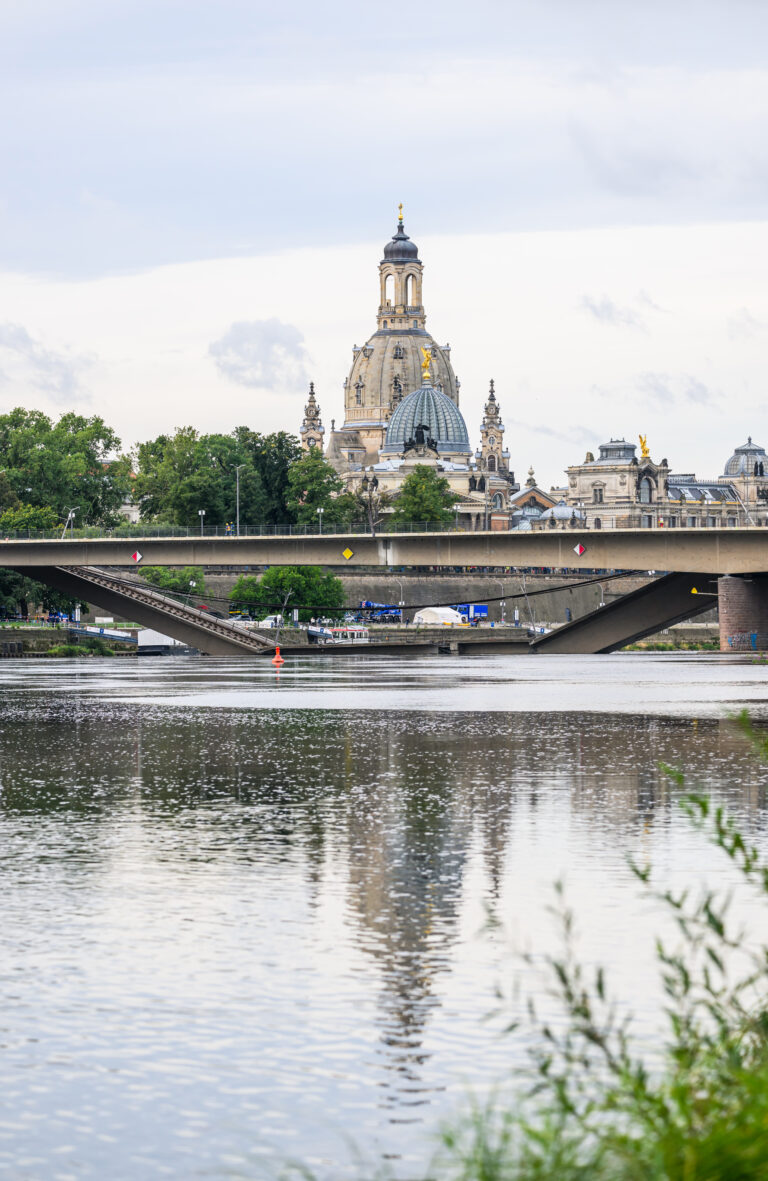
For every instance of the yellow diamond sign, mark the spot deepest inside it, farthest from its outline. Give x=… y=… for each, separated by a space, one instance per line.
x=347 y=553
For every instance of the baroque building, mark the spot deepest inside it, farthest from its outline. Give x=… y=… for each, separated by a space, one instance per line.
x=620 y=490
x=401 y=405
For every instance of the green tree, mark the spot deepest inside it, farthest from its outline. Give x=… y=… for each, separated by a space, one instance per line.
x=63 y=464
x=271 y=456
x=425 y=497
x=313 y=484
x=310 y=588
x=8 y=498
x=180 y=474
x=18 y=594
x=175 y=578
x=27 y=519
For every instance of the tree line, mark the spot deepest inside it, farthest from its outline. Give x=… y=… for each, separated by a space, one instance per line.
x=74 y=469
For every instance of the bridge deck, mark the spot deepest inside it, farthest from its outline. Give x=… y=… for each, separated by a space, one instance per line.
x=707 y=551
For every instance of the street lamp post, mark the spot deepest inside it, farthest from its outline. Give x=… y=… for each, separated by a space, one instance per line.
x=71 y=522
x=238 y=469
x=502 y=604
x=320 y=512
x=201 y=515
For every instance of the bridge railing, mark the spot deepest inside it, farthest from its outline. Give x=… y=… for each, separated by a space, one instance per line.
x=96 y=532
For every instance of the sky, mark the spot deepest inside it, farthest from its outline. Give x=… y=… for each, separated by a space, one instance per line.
x=194 y=198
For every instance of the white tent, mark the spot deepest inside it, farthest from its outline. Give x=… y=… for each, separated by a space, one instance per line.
x=438 y=615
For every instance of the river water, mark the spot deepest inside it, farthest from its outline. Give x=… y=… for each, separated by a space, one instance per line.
x=245 y=914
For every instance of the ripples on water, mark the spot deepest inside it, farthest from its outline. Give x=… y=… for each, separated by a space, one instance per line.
x=243 y=914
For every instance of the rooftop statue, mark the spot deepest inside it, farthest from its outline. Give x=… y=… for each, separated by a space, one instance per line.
x=425 y=364
x=644 y=449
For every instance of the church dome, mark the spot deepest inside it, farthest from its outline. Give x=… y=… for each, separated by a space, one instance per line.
x=401 y=248
x=433 y=409
x=744 y=458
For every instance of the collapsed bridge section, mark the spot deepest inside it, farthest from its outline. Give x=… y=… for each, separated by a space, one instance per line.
x=151 y=608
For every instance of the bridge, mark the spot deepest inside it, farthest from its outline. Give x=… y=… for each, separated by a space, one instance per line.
x=709 y=551
x=722 y=562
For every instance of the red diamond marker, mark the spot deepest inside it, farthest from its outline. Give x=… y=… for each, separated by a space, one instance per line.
x=579 y=549
x=136 y=556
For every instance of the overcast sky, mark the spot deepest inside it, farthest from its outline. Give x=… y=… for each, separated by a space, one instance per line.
x=194 y=198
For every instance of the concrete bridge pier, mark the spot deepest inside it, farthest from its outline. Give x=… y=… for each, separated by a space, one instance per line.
x=743 y=609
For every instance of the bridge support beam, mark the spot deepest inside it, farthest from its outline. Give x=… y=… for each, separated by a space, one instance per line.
x=743 y=603
x=654 y=606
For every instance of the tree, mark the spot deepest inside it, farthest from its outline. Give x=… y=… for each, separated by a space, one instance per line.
x=180 y=474
x=72 y=462
x=425 y=497
x=271 y=456
x=18 y=593
x=175 y=578
x=310 y=588
x=27 y=519
x=314 y=483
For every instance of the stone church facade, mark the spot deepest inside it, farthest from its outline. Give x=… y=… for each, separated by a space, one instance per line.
x=401 y=406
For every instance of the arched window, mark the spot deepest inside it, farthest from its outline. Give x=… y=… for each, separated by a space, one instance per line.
x=491 y=463
x=498 y=501
x=409 y=289
x=645 y=491
x=389 y=289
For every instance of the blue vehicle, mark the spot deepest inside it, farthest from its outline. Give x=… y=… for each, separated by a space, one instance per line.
x=380 y=612
x=472 y=613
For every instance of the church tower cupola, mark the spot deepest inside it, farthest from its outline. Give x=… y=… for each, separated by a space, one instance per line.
x=312 y=429
x=400 y=278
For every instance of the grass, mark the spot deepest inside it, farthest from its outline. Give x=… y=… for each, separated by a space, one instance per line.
x=93 y=646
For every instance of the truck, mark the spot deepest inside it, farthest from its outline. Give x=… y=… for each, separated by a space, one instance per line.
x=380 y=612
x=472 y=613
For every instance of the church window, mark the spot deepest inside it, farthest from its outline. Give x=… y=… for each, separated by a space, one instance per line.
x=491 y=463
x=389 y=289
x=398 y=352
x=645 y=491
x=498 y=501
x=409 y=289
x=597 y=495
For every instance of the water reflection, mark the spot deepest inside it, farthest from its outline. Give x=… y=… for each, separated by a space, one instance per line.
x=287 y=901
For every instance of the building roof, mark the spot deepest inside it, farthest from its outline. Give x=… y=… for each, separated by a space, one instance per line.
x=434 y=410
x=744 y=458
x=616 y=451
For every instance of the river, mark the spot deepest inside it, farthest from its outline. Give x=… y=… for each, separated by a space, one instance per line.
x=245 y=913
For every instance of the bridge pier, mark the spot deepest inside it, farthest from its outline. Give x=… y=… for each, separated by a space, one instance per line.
x=743 y=608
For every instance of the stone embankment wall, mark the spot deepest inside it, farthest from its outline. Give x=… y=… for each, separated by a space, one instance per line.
x=446 y=589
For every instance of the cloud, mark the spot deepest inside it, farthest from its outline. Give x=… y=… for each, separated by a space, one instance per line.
x=262 y=354
x=674 y=390
x=744 y=326
x=607 y=312
x=25 y=361
x=573 y=434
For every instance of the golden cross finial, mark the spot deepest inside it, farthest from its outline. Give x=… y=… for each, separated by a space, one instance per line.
x=400 y=212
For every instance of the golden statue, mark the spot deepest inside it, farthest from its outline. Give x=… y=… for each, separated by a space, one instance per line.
x=644 y=451
x=400 y=212
x=425 y=374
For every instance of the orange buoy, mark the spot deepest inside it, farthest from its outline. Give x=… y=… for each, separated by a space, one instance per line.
x=277 y=658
